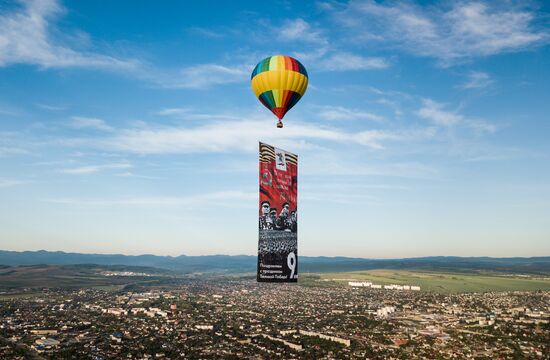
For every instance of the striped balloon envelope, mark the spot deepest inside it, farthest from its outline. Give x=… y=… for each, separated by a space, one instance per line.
x=279 y=82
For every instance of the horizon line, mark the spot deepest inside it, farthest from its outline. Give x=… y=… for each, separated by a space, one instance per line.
x=309 y=256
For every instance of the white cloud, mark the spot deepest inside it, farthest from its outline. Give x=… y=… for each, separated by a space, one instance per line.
x=488 y=31
x=80 y=122
x=5 y=183
x=481 y=126
x=12 y=144
x=229 y=197
x=311 y=55
x=317 y=49
x=236 y=136
x=190 y=114
x=342 y=113
x=500 y=153
x=214 y=137
x=462 y=31
x=209 y=33
x=173 y=111
x=10 y=151
x=130 y=174
x=91 y=169
x=26 y=38
x=436 y=113
x=51 y=107
x=345 y=61
x=374 y=138
x=300 y=30
x=325 y=163
x=477 y=80
x=204 y=76
x=325 y=59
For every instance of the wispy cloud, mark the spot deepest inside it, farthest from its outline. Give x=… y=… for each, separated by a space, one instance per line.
x=13 y=150
x=434 y=112
x=203 y=76
x=189 y=113
x=345 y=61
x=129 y=174
x=323 y=54
x=301 y=30
x=9 y=110
x=343 y=113
x=323 y=58
x=91 y=169
x=462 y=31
x=208 y=33
x=438 y=115
x=80 y=122
x=11 y=144
x=492 y=153
x=26 y=38
x=237 y=136
x=51 y=107
x=173 y=111
x=5 y=183
x=336 y=165
x=229 y=197
x=477 y=80
x=481 y=126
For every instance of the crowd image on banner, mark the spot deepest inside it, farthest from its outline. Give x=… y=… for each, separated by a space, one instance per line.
x=286 y=220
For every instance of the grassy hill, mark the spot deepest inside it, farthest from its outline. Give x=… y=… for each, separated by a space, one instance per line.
x=442 y=282
x=64 y=276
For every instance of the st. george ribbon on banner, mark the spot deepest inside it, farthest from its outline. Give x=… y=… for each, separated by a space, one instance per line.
x=278 y=216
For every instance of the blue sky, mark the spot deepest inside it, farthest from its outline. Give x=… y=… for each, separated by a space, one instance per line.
x=129 y=127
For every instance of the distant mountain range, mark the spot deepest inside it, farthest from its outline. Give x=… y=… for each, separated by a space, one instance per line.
x=246 y=263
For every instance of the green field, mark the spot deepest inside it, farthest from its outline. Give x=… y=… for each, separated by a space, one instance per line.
x=438 y=281
x=71 y=276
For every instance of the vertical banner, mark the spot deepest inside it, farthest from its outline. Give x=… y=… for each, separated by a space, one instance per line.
x=278 y=223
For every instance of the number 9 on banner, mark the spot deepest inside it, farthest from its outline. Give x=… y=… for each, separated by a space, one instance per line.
x=291 y=262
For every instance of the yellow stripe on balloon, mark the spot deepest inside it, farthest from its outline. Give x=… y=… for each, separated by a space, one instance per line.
x=280 y=80
x=276 y=97
x=277 y=63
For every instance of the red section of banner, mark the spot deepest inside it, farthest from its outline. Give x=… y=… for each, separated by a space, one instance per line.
x=278 y=188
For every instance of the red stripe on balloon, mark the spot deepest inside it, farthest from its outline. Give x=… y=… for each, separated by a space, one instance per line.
x=286 y=97
x=295 y=66
x=290 y=64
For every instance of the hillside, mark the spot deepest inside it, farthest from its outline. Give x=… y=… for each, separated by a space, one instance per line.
x=246 y=263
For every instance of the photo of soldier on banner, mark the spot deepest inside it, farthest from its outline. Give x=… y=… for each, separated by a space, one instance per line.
x=278 y=216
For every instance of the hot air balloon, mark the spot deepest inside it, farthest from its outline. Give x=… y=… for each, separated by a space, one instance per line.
x=279 y=82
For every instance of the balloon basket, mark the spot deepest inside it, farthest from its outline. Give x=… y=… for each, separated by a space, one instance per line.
x=280 y=124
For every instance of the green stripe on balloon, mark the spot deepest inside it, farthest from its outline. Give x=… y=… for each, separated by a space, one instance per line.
x=265 y=65
x=267 y=99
